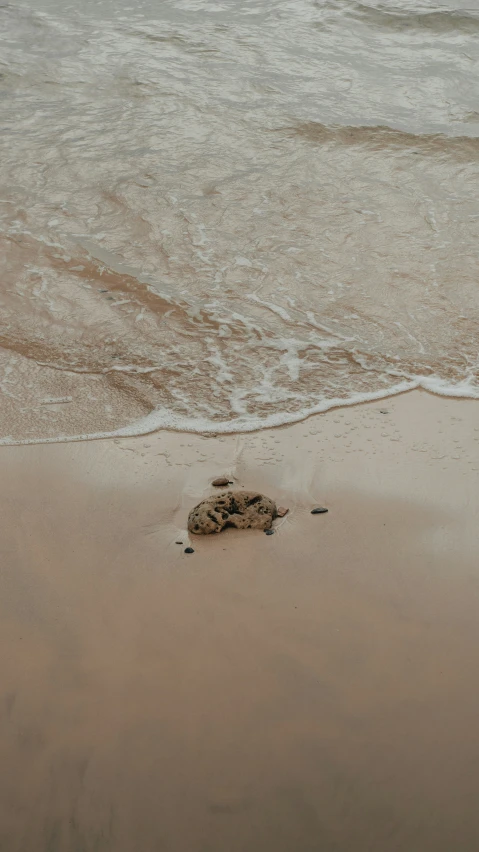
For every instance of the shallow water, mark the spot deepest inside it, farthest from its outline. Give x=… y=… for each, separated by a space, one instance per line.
x=221 y=215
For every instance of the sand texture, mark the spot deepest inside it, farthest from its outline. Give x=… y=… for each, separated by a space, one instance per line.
x=311 y=691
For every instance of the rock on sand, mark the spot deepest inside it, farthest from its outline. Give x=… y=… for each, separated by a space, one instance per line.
x=240 y=509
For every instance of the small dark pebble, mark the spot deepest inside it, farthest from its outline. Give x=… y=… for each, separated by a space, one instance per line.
x=384 y=410
x=319 y=511
x=189 y=550
x=269 y=532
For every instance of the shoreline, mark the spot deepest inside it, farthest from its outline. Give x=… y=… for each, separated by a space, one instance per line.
x=163 y=422
x=311 y=689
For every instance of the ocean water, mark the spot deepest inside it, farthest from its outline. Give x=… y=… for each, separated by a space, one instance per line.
x=220 y=215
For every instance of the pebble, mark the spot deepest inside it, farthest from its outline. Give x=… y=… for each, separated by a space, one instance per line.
x=319 y=511
x=189 y=550
x=220 y=481
x=281 y=511
x=269 y=532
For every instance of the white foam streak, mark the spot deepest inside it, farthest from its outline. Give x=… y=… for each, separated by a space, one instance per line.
x=170 y=421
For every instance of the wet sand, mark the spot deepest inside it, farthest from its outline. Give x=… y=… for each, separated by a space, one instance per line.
x=312 y=691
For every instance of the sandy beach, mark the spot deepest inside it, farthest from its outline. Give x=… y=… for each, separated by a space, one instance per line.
x=239 y=240
x=312 y=690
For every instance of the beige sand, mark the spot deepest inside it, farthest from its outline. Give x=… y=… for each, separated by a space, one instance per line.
x=312 y=691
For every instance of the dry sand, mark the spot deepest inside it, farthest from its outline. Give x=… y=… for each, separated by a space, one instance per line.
x=312 y=691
